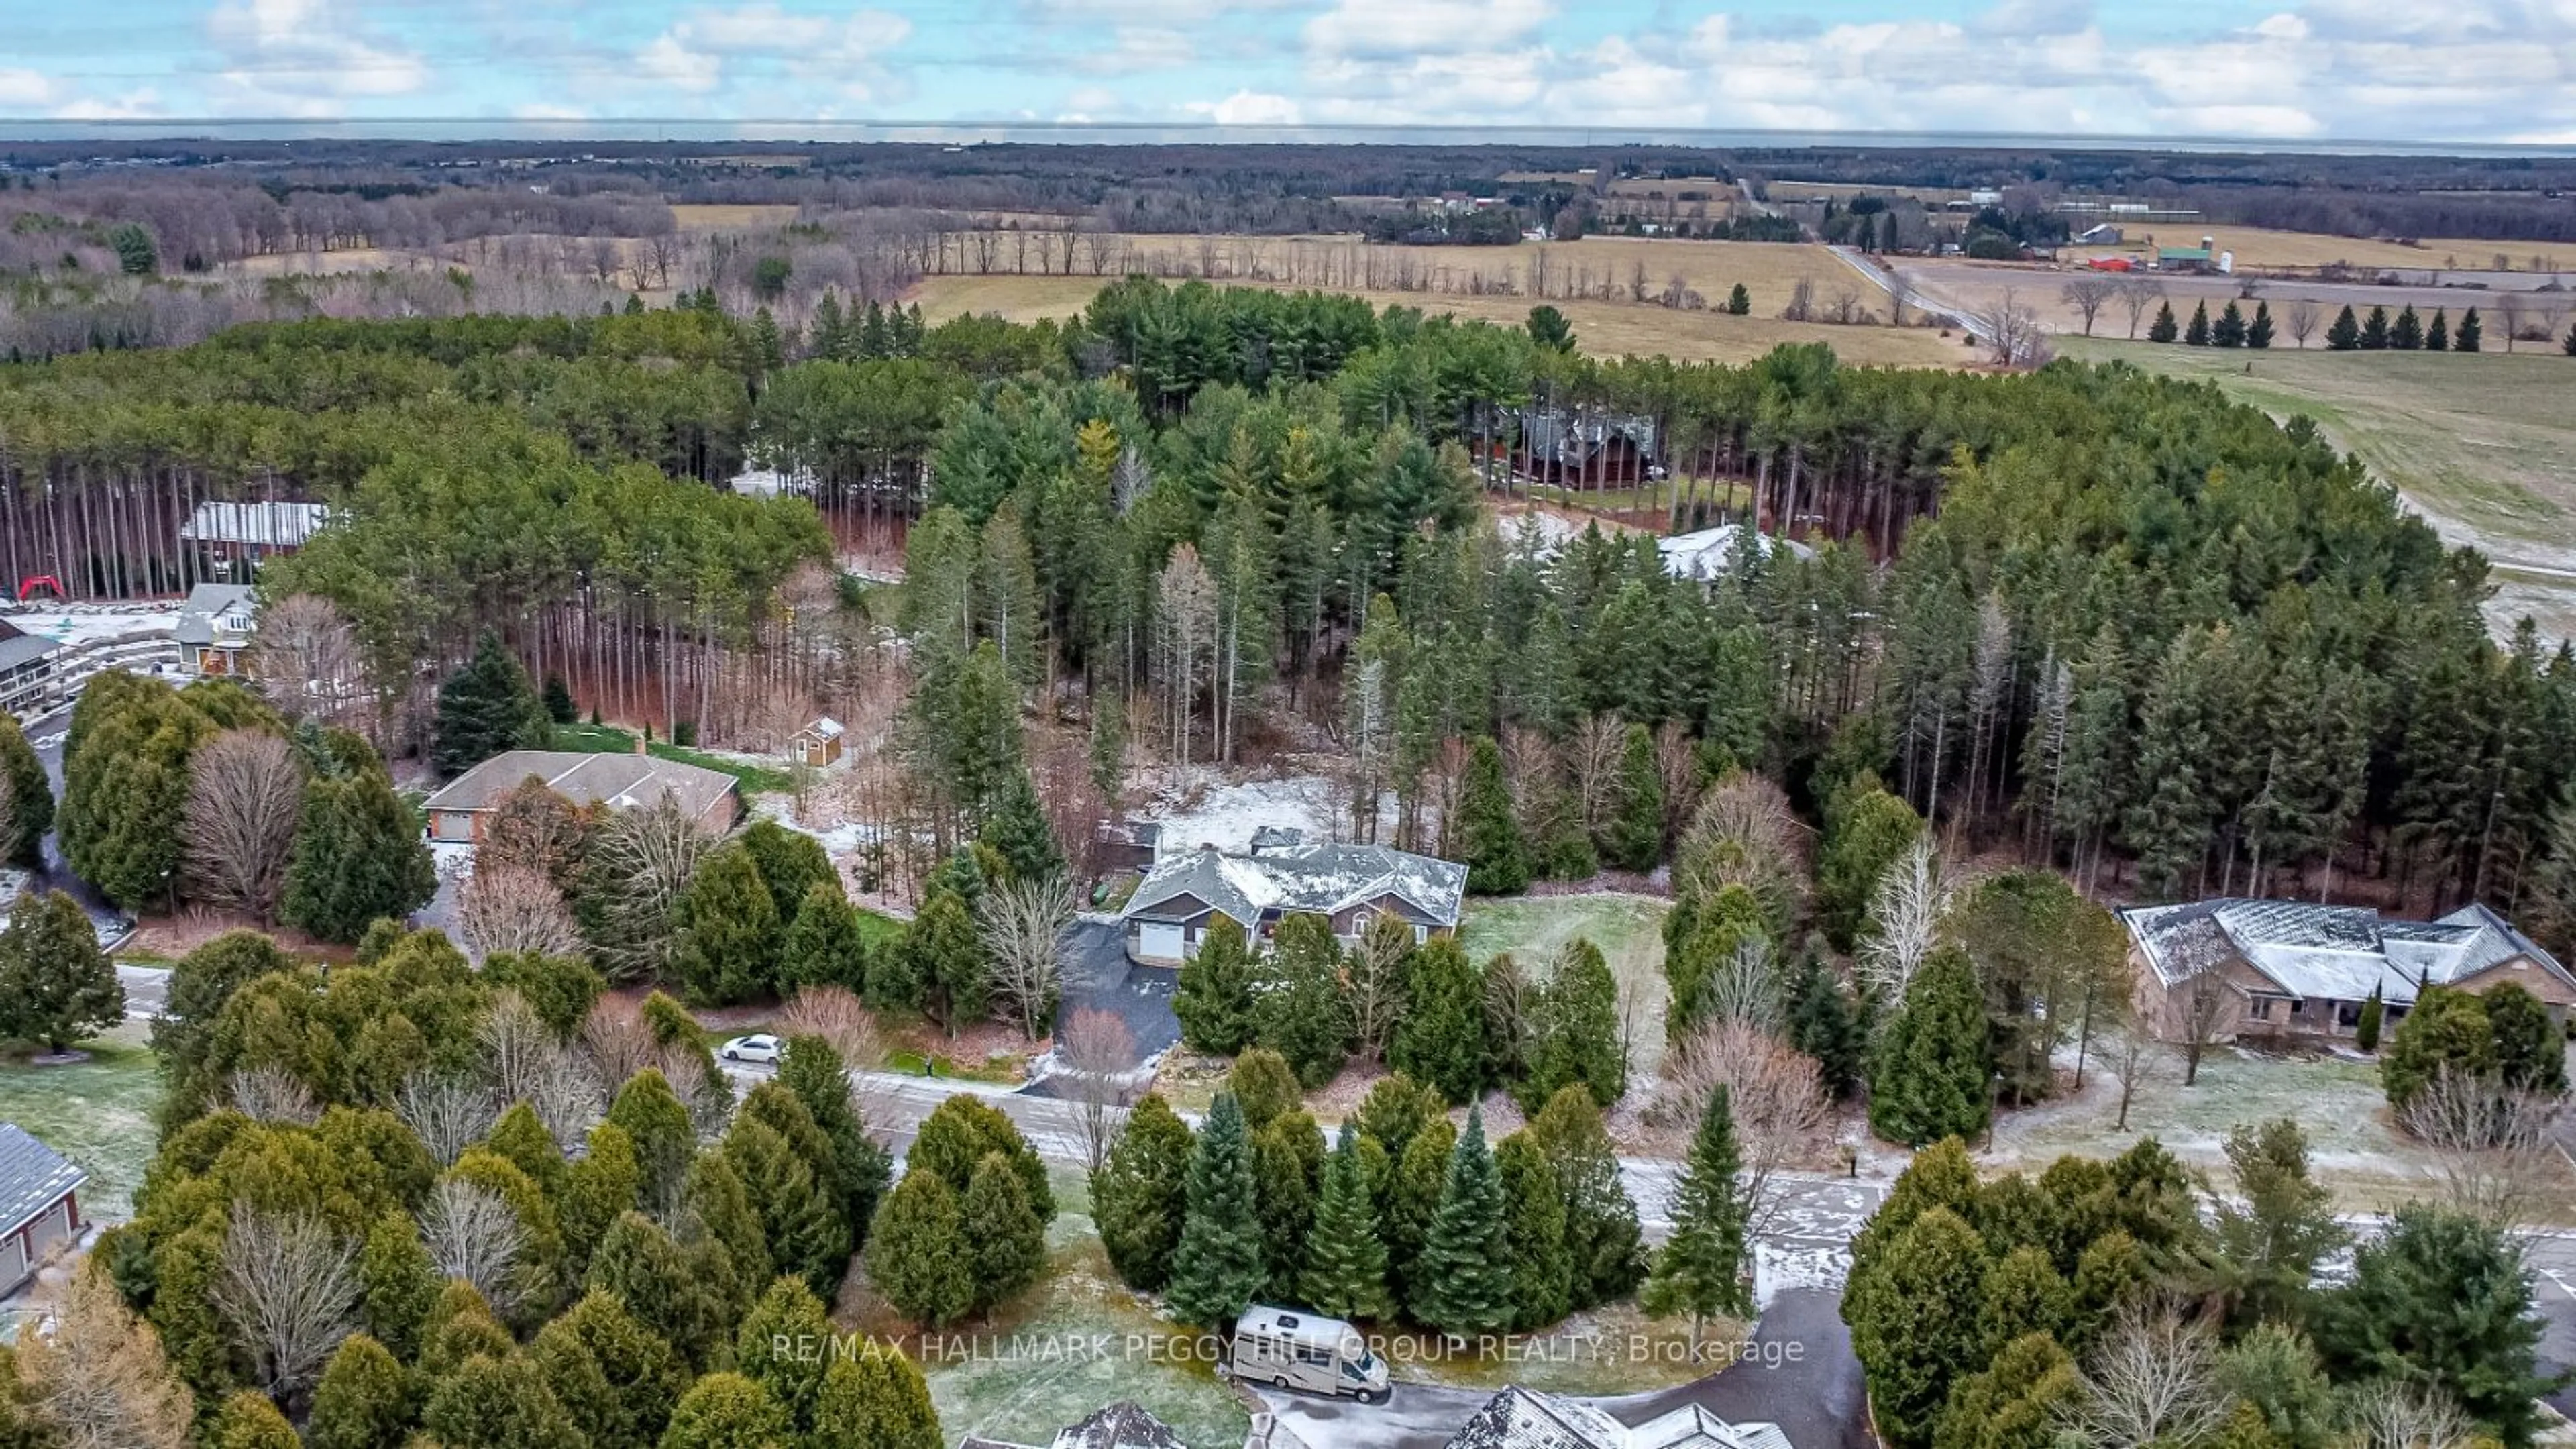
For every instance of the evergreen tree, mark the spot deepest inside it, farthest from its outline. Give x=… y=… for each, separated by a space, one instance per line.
x=2163 y=328
x=362 y=1402
x=875 y=1399
x=1141 y=1197
x=358 y=858
x=1463 y=1283
x=777 y=1341
x=943 y=963
x=2446 y=1033
x=397 y=1282
x=728 y=946
x=249 y=1420
x=1287 y=1172
x=1866 y=830
x=30 y=801
x=1213 y=997
x=497 y=1402
x=726 y=1411
x=1218 y=1267
x=2366 y=1032
x=1264 y=1086
x=1408 y=1198
x=558 y=700
x=2344 y=333
x=1929 y=1080
x=1441 y=1040
x=1578 y=1039
x=1489 y=832
x=2018 y=1401
x=791 y=863
x=1534 y=1232
x=2443 y=1300
x=1914 y=1322
x=2229 y=330
x=1008 y=1246
x=56 y=985
x=2407 y=333
x=485 y=708
x=2437 y=335
x=1632 y=838
x=918 y=1258
x=2022 y=1293
x=2197 y=334
x=608 y=1180
x=823 y=947
x=953 y=1140
x=1826 y=1024
x=1739 y=302
x=2260 y=332
x=2530 y=1049
x=1700 y=1270
x=1018 y=831
x=1345 y=1269
x=2374 y=331
x=858 y=1170
x=1300 y=1012
x=2271 y=1233
x=1601 y=1229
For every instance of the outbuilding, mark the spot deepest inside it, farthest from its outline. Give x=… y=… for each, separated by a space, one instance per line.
x=39 y=1205
x=819 y=743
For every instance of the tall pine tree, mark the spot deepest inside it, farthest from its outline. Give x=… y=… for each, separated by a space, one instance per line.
x=1345 y=1259
x=1218 y=1267
x=1700 y=1270
x=1462 y=1285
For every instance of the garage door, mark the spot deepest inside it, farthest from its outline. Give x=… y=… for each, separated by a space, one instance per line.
x=1156 y=941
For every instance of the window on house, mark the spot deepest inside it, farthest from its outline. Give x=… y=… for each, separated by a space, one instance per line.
x=2260 y=1008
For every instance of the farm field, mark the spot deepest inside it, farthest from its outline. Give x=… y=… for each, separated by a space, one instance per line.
x=1601 y=327
x=99 y=1113
x=728 y=216
x=2258 y=247
x=2483 y=445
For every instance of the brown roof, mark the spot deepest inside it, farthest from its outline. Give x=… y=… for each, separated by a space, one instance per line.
x=618 y=781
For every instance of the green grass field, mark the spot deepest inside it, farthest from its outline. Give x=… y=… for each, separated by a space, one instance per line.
x=610 y=740
x=1627 y=928
x=99 y=1113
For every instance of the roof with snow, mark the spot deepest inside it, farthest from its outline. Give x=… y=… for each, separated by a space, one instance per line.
x=1123 y=1425
x=33 y=1177
x=267 y=525
x=824 y=727
x=1692 y=1427
x=618 y=781
x=209 y=603
x=1707 y=553
x=1317 y=879
x=2339 y=953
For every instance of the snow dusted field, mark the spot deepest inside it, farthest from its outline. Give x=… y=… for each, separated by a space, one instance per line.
x=1200 y=807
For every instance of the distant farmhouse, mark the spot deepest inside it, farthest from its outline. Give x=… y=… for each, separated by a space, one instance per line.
x=26 y=670
x=616 y=782
x=1515 y=1418
x=39 y=1205
x=1557 y=445
x=2292 y=969
x=1350 y=885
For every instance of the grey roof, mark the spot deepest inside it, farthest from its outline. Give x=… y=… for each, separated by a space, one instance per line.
x=1321 y=879
x=18 y=647
x=1123 y=1425
x=2339 y=953
x=33 y=1177
x=268 y=525
x=207 y=603
x=1693 y=1427
x=1575 y=438
x=1519 y=1418
x=619 y=781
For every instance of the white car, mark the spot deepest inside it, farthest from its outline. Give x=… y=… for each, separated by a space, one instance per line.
x=761 y=1048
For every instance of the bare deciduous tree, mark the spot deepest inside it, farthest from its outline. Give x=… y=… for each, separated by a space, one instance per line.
x=305 y=654
x=1743 y=833
x=2492 y=1144
x=1905 y=917
x=98 y=1378
x=1373 y=985
x=447 y=1114
x=245 y=793
x=2129 y=1051
x=2086 y=292
x=2205 y=1005
x=1185 y=612
x=2301 y=315
x=2137 y=294
x=288 y=1288
x=507 y=908
x=2010 y=330
x=835 y=1014
x=617 y=1041
x=647 y=854
x=2151 y=1379
x=1592 y=756
x=526 y=1062
x=1098 y=1052
x=1022 y=925
x=2387 y=1413
x=273 y=1094
x=474 y=1236
x=1775 y=1091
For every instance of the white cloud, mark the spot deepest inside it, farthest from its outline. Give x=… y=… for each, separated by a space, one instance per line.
x=1139 y=48
x=1410 y=29
x=133 y=105
x=305 y=57
x=27 y=90
x=1250 y=108
x=843 y=54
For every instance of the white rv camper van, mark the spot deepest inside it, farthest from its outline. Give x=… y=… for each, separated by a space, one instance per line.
x=1297 y=1350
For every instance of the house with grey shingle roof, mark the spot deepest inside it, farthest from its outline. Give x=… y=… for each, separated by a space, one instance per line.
x=1516 y=1418
x=1349 y=885
x=2296 y=969
x=39 y=1205
x=610 y=781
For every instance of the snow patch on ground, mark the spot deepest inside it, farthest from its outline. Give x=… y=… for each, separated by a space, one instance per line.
x=1785 y=1267
x=96 y=625
x=1200 y=807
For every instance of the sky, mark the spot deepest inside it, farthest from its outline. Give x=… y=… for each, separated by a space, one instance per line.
x=2430 y=71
